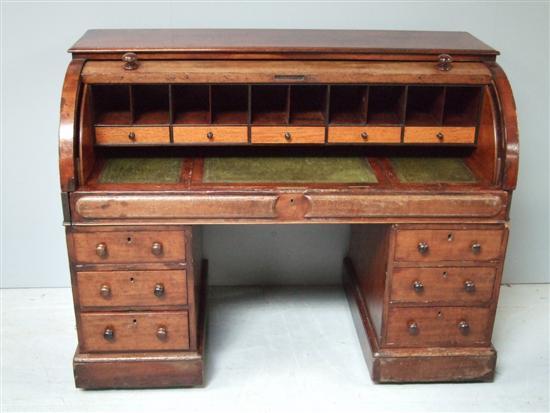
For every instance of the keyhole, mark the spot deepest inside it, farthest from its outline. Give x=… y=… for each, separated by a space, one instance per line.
x=129 y=239
x=444 y=274
x=439 y=315
x=291 y=200
x=132 y=279
x=449 y=237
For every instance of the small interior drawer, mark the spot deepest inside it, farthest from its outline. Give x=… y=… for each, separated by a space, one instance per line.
x=443 y=134
x=366 y=134
x=210 y=134
x=449 y=245
x=131 y=288
x=122 y=135
x=438 y=326
x=288 y=135
x=139 y=331
x=128 y=246
x=446 y=285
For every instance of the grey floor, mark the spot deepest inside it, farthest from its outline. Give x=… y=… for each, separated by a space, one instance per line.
x=271 y=349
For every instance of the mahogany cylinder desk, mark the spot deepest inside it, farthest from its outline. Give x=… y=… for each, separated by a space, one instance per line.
x=409 y=137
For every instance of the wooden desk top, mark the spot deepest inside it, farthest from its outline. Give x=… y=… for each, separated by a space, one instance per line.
x=281 y=41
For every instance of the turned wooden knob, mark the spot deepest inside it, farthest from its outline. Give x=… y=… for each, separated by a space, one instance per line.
x=445 y=62
x=159 y=290
x=469 y=286
x=418 y=287
x=105 y=291
x=132 y=136
x=413 y=328
x=101 y=250
x=288 y=136
x=364 y=135
x=464 y=327
x=156 y=248
x=423 y=247
x=109 y=333
x=476 y=248
x=162 y=333
x=130 y=61
x=210 y=135
x=440 y=136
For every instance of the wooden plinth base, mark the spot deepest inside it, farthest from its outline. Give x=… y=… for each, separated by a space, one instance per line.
x=145 y=370
x=406 y=365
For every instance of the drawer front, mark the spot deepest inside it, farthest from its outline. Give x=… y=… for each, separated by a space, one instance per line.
x=367 y=134
x=438 y=326
x=128 y=246
x=131 y=288
x=288 y=135
x=422 y=134
x=449 y=245
x=119 y=135
x=139 y=331
x=210 y=134
x=446 y=285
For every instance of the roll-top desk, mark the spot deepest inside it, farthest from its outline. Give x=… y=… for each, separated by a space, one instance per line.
x=410 y=137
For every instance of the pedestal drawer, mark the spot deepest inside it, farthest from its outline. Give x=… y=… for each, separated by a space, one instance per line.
x=130 y=246
x=449 y=245
x=438 y=327
x=138 y=331
x=445 y=285
x=131 y=288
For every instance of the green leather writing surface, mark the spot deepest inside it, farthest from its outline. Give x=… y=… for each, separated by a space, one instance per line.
x=432 y=170
x=141 y=170
x=288 y=169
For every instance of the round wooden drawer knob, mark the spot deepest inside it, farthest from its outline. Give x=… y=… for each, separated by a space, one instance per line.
x=440 y=136
x=132 y=136
x=109 y=334
x=418 y=287
x=444 y=62
x=156 y=248
x=288 y=136
x=464 y=328
x=364 y=135
x=105 y=291
x=159 y=290
x=469 y=286
x=423 y=247
x=162 y=333
x=101 y=250
x=210 y=135
x=413 y=328
x=476 y=248
x=130 y=61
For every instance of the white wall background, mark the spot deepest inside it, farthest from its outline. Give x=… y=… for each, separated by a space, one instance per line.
x=36 y=35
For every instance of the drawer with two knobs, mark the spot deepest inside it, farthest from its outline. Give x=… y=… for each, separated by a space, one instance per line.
x=128 y=246
x=134 y=331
